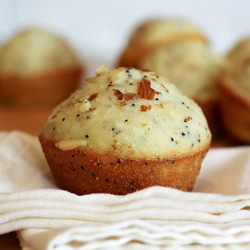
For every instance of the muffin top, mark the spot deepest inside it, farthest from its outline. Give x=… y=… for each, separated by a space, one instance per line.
x=156 y=30
x=191 y=65
x=238 y=68
x=129 y=113
x=240 y=51
x=35 y=51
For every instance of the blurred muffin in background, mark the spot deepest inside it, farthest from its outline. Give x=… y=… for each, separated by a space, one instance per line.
x=155 y=32
x=235 y=91
x=194 y=68
x=37 y=67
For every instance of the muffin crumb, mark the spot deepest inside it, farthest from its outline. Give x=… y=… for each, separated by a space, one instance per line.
x=102 y=69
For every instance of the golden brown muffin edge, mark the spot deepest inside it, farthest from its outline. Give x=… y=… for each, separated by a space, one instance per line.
x=83 y=172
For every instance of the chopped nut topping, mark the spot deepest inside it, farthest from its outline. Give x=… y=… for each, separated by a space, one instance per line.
x=118 y=94
x=102 y=69
x=92 y=97
x=129 y=96
x=70 y=144
x=145 y=108
x=145 y=91
x=187 y=119
x=85 y=106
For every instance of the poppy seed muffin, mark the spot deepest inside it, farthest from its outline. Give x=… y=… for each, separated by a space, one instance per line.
x=235 y=91
x=194 y=68
x=37 y=67
x=155 y=32
x=125 y=130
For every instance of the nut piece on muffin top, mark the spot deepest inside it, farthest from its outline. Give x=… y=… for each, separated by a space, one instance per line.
x=129 y=113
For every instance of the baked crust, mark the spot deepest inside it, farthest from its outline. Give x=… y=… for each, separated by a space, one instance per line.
x=132 y=56
x=235 y=111
x=84 y=172
x=27 y=119
x=45 y=89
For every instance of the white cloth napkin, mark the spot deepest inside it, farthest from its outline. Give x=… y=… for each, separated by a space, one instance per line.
x=154 y=218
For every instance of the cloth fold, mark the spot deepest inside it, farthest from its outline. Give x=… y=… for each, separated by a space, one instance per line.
x=216 y=215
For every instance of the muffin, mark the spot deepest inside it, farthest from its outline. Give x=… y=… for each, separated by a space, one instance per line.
x=194 y=68
x=37 y=67
x=29 y=120
x=153 y=33
x=123 y=131
x=235 y=91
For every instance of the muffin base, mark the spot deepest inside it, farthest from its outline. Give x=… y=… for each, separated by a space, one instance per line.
x=27 y=119
x=235 y=112
x=132 y=57
x=89 y=172
x=45 y=89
